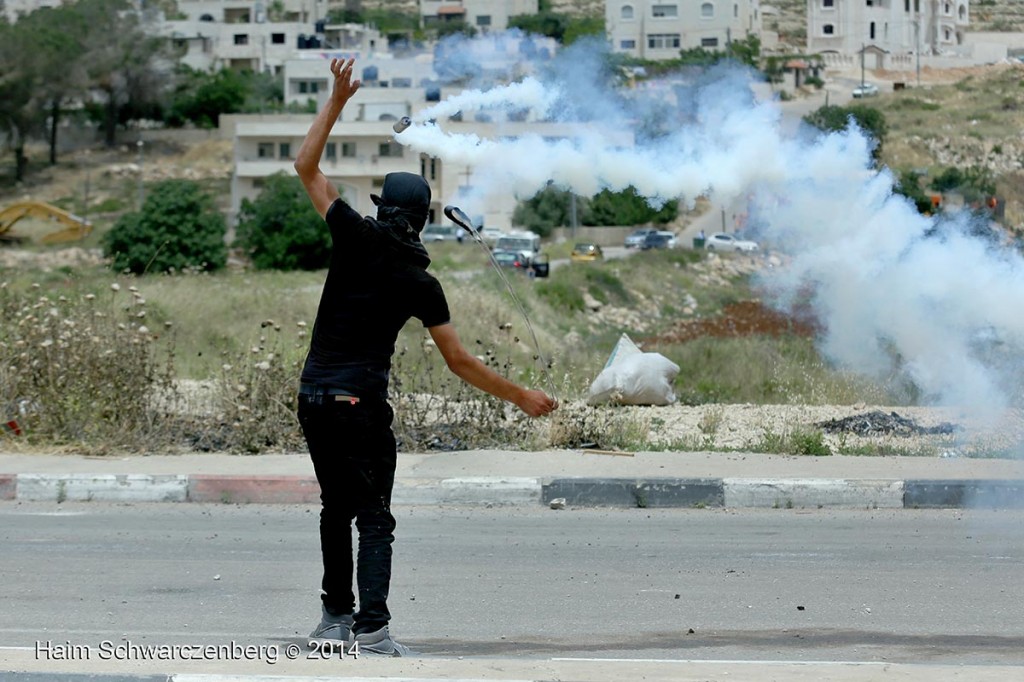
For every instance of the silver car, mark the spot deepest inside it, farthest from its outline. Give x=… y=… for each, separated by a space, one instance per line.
x=727 y=242
x=636 y=239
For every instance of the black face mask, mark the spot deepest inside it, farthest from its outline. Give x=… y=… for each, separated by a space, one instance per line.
x=402 y=209
x=404 y=197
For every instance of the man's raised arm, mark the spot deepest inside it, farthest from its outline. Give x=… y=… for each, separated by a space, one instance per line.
x=307 y=162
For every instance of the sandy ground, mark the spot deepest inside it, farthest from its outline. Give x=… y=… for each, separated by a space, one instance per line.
x=745 y=427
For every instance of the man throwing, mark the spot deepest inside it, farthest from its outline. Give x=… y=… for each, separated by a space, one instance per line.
x=376 y=282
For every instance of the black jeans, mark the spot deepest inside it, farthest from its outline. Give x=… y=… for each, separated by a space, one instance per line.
x=353 y=452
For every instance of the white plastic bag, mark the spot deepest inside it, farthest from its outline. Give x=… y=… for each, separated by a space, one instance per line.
x=633 y=377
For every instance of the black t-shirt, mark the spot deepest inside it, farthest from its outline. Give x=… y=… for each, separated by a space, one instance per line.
x=369 y=295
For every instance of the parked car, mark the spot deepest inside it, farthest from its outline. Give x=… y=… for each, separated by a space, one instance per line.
x=865 y=90
x=509 y=259
x=659 y=240
x=539 y=266
x=671 y=236
x=442 y=233
x=586 y=252
x=728 y=242
x=491 y=235
x=636 y=238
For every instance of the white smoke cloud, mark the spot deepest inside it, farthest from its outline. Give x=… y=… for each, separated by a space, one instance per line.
x=896 y=292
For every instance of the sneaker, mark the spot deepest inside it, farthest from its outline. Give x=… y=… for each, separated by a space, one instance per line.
x=380 y=642
x=335 y=630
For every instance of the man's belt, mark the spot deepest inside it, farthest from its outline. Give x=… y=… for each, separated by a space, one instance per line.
x=337 y=394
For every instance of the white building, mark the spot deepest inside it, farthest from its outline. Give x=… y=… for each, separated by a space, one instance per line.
x=306 y=77
x=660 y=29
x=13 y=9
x=888 y=31
x=361 y=151
x=258 y=35
x=483 y=15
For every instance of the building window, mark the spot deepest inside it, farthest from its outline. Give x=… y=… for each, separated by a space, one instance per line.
x=483 y=20
x=947 y=9
x=871 y=3
x=829 y=4
x=906 y=5
x=917 y=5
x=949 y=34
x=963 y=13
x=241 y=39
x=348 y=150
x=627 y=44
x=664 y=11
x=428 y=167
x=828 y=29
x=277 y=38
x=331 y=151
x=871 y=31
x=390 y=150
x=285 y=150
x=265 y=150
x=707 y=10
x=709 y=42
x=735 y=11
x=627 y=11
x=662 y=40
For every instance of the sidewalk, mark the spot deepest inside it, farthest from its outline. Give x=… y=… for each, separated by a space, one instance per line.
x=493 y=477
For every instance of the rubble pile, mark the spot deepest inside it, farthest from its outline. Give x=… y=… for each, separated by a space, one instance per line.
x=878 y=423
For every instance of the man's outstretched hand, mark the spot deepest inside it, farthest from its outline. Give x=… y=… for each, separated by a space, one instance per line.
x=344 y=86
x=537 y=403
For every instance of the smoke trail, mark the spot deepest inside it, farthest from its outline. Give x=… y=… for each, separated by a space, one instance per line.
x=897 y=293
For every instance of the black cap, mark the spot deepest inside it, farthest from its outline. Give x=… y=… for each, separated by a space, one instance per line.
x=407 y=191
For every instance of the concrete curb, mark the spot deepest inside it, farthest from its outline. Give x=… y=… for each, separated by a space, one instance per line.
x=528 y=491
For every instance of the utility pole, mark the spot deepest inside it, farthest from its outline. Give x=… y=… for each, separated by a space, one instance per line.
x=862 y=48
x=139 y=145
x=917 y=49
x=572 y=213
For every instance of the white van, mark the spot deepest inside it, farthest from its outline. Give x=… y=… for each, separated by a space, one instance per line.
x=519 y=242
x=441 y=233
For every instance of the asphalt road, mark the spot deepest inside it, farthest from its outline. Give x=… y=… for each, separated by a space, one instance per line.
x=895 y=586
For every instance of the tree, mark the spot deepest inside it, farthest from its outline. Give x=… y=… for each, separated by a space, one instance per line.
x=177 y=228
x=627 y=208
x=546 y=210
x=835 y=119
x=18 y=105
x=976 y=183
x=53 y=33
x=281 y=229
x=909 y=185
x=746 y=51
x=123 y=63
x=202 y=97
x=564 y=28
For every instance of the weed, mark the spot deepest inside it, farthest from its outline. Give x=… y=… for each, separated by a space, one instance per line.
x=809 y=443
x=711 y=420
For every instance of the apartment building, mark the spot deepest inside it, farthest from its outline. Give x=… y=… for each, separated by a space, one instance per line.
x=887 y=30
x=659 y=29
x=13 y=9
x=307 y=76
x=257 y=35
x=483 y=15
x=361 y=150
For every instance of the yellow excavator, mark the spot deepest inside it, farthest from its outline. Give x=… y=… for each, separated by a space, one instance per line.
x=72 y=227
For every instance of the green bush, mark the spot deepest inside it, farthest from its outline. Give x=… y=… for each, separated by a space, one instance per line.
x=178 y=228
x=561 y=296
x=281 y=229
